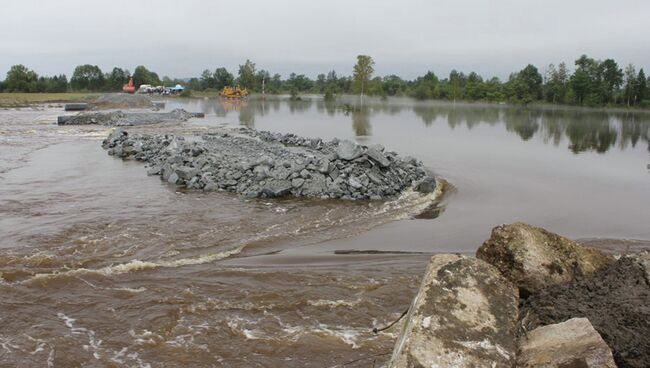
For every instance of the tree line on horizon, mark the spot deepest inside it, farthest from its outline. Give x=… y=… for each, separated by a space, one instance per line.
x=592 y=83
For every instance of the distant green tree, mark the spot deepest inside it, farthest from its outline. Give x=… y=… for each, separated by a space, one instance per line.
x=456 y=84
x=262 y=77
x=641 y=86
x=142 y=75
x=207 y=80
x=300 y=82
x=526 y=85
x=474 y=87
x=394 y=85
x=167 y=82
x=116 y=79
x=275 y=84
x=493 y=90
x=56 y=84
x=630 y=85
x=362 y=72
x=320 y=83
x=20 y=79
x=87 y=78
x=223 y=78
x=247 y=75
x=194 y=84
x=612 y=78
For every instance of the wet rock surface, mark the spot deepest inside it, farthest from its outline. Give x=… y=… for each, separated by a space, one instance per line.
x=533 y=258
x=264 y=164
x=120 y=118
x=464 y=315
x=573 y=343
x=616 y=300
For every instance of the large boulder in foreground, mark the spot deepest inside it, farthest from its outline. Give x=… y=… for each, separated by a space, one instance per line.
x=573 y=343
x=533 y=258
x=464 y=315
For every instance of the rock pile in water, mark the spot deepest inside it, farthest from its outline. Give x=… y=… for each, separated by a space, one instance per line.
x=264 y=164
x=120 y=118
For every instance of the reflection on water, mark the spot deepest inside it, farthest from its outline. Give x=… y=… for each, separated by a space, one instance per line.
x=586 y=130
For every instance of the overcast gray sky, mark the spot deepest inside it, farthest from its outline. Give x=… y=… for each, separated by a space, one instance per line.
x=405 y=37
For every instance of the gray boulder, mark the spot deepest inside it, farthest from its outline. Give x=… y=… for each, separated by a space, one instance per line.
x=532 y=258
x=374 y=153
x=347 y=150
x=573 y=343
x=426 y=185
x=276 y=188
x=464 y=315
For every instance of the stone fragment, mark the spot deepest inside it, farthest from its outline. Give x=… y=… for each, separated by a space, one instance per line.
x=375 y=154
x=573 y=343
x=185 y=172
x=426 y=185
x=354 y=182
x=533 y=258
x=347 y=150
x=277 y=188
x=297 y=182
x=464 y=315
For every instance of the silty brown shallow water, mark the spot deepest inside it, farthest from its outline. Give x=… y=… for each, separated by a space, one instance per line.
x=105 y=266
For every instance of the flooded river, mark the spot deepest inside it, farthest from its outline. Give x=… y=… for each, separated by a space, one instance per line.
x=103 y=266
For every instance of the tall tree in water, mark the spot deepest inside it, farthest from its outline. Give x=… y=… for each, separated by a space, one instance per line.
x=641 y=86
x=362 y=72
x=247 y=75
x=630 y=85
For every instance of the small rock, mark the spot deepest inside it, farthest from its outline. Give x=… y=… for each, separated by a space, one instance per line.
x=354 y=182
x=347 y=150
x=574 y=343
x=297 y=182
x=277 y=188
x=375 y=154
x=426 y=185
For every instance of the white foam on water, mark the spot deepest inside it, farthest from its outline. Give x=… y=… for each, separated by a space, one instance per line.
x=333 y=303
x=138 y=265
x=5 y=343
x=94 y=344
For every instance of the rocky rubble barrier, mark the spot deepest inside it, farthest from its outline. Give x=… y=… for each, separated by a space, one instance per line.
x=264 y=164
x=577 y=307
x=120 y=118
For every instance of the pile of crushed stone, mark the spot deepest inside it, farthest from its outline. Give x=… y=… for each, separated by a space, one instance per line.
x=121 y=118
x=263 y=164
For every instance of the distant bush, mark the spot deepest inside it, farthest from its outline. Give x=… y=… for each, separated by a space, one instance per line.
x=185 y=93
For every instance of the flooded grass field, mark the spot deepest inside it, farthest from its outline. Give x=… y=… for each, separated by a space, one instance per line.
x=102 y=265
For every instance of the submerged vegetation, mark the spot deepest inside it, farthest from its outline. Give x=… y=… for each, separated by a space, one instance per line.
x=591 y=83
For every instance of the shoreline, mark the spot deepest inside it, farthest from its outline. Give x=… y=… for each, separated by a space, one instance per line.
x=24 y=99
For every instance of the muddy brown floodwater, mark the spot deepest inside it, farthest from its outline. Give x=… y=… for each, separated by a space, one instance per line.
x=103 y=266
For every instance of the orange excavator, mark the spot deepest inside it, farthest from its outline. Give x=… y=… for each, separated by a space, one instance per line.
x=129 y=87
